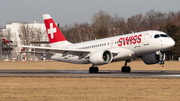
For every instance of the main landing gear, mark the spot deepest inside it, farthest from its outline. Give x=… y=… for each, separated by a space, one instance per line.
x=125 y=68
x=93 y=69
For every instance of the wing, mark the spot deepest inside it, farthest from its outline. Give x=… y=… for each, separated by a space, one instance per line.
x=44 y=50
x=82 y=53
x=79 y=52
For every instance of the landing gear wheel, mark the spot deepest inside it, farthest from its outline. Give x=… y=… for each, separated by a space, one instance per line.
x=93 y=70
x=126 y=69
x=123 y=69
x=96 y=70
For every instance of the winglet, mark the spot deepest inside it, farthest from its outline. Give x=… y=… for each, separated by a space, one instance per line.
x=6 y=41
x=9 y=43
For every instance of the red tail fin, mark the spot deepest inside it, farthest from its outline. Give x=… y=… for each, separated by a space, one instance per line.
x=54 y=34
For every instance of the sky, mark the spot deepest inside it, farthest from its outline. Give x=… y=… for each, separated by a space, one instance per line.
x=71 y=11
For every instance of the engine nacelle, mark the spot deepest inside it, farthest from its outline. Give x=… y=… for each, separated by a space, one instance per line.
x=101 y=57
x=152 y=58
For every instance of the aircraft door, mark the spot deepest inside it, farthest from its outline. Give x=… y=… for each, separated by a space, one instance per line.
x=112 y=43
x=146 y=39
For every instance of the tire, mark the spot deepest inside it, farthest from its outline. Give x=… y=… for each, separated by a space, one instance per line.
x=123 y=69
x=91 y=70
x=128 y=69
x=96 y=69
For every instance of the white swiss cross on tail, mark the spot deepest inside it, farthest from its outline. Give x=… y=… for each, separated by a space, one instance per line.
x=51 y=30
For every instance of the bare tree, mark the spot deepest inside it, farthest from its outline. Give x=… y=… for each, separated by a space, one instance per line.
x=8 y=34
x=14 y=51
x=104 y=22
x=26 y=34
x=38 y=35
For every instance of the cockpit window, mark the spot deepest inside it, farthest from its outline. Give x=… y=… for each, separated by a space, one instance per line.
x=156 y=36
x=167 y=35
x=163 y=35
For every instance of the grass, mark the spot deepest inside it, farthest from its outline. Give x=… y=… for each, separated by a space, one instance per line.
x=86 y=89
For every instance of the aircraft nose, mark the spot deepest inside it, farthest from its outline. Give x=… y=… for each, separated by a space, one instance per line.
x=169 y=44
x=173 y=43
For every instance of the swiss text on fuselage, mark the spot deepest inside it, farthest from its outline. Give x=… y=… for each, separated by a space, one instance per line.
x=129 y=40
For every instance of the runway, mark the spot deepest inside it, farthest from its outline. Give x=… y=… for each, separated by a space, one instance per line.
x=85 y=73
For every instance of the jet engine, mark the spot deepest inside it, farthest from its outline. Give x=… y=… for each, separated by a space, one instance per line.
x=101 y=57
x=153 y=58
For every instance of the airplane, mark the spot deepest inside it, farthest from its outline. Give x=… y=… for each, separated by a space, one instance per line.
x=148 y=45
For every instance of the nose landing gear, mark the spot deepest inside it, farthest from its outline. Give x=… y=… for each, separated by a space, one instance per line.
x=161 y=58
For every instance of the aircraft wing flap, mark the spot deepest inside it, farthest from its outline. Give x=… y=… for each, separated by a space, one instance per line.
x=57 y=50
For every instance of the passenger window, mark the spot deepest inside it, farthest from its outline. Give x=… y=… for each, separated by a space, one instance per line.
x=156 y=36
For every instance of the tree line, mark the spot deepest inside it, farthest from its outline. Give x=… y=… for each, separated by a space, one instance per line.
x=104 y=25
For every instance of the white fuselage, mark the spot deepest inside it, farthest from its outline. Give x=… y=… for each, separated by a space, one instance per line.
x=127 y=46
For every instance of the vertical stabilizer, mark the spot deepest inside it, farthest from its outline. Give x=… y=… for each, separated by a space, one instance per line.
x=55 y=36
